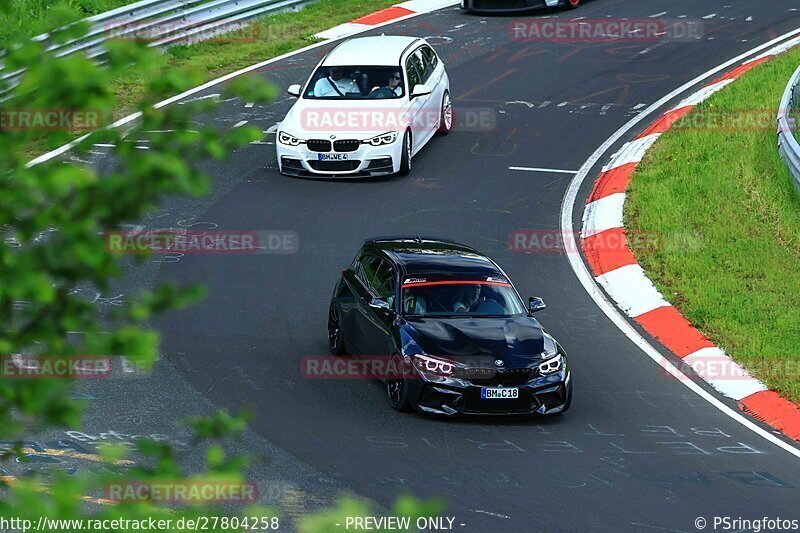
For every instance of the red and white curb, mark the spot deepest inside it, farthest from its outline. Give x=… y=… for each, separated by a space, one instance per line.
x=390 y=14
x=617 y=271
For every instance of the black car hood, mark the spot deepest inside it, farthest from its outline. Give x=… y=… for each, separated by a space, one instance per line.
x=518 y=341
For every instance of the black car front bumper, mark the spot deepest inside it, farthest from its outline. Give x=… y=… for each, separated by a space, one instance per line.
x=502 y=6
x=544 y=395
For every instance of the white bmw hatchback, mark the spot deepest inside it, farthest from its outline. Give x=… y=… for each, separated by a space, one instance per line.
x=370 y=106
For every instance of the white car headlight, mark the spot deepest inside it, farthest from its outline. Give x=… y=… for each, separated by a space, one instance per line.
x=551 y=365
x=382 y=139
x=434 y=365
x=288 y=139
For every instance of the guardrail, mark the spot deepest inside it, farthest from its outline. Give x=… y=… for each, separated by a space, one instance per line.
x=788 y=114
x=160 y=23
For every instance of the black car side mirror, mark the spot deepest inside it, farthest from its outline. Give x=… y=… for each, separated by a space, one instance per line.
x=535 y=304
x=379 y=304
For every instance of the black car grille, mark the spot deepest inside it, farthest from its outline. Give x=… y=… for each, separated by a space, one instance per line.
x=346 y=145
x=334 y=166
x=289 y=162
x=318 y=145
x=489 y=377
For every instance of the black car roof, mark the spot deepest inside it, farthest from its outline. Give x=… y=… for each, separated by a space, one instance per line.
x=437 y=257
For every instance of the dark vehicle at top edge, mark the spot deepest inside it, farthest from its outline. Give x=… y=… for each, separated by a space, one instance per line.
x=515 y=6
x=454 y=333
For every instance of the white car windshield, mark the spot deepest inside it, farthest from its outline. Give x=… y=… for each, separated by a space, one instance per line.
x=423 y=297
x=356 y=83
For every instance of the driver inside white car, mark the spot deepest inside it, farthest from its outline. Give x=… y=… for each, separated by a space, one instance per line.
x=335 y=84
x=395 y=81
x=395 y=84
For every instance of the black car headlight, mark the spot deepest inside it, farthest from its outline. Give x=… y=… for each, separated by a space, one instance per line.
x=551 y=365
x=382 y=139
x=288 y=139
x=434 y=365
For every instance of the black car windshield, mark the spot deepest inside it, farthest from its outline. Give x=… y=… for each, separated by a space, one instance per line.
x=487 y=297
x=356 y=83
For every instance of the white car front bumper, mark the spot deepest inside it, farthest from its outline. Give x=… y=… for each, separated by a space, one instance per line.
x=310 y=159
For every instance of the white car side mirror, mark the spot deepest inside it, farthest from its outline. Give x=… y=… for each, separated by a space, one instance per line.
x=295 y=90
x=421 y=90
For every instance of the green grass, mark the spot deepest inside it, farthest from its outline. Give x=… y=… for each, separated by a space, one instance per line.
x=730 y=218
x=20 y=19
x=266 y=38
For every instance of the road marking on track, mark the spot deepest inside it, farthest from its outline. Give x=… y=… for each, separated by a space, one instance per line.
x=498 y=515
x=200 y=98
x=590 y=285
x=240 y=124
x=548 y=170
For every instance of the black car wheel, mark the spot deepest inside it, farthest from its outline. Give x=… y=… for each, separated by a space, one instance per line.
x=446 y=119
x=405 y=160
x=335 y=338
x=396 y=386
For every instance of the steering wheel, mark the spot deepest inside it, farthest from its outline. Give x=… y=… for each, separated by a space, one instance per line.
x=383 y=92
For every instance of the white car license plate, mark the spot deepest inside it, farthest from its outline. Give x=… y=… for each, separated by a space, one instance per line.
x=332 y=157
x=499 y=393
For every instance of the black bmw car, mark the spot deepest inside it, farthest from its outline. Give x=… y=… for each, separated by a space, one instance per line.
x=455 y=334
x=512 y=6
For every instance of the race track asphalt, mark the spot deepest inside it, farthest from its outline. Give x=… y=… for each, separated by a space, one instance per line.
x=638 y=450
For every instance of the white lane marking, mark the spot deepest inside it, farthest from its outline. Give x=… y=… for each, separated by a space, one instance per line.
x=703 y=94
x=723 y=373
x=710 y=16
x=655 y=16
x=178 y=97
x=588 y=282
x=632 y=152
x=200 y=98
x=249 y=104
x=343 y=30
x=633 y=291
x=104 y=145
x=498 y=515
x=537 y=169
x=603 y=214
x=240 y=124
